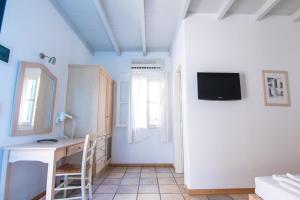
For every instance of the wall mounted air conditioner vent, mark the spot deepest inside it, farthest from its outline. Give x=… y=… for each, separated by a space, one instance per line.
x=148 y=67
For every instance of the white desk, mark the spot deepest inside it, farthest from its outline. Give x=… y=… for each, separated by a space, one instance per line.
x=47 y=153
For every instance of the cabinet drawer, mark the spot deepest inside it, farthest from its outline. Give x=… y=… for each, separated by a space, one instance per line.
x=100 y=153
x=74 y=149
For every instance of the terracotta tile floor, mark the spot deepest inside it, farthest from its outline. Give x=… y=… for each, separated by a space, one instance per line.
x=146 y=183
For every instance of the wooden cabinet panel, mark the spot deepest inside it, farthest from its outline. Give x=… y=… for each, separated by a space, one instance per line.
x=90 y=101
x=82 y=100
x=107 y=124
x=109 y=112
x=106 y=104
x=102 y=104
x=109 y=107
x=109 y=97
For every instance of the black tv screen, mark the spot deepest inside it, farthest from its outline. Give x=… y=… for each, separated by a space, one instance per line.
x=2 y=8
x=219 y=86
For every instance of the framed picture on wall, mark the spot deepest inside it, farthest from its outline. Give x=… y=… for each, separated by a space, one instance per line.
x=276 y=88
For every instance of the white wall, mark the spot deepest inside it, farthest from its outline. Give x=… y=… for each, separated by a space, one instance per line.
x=150 y=150
x=31 y=27
x=178 y=59
x=229 y=143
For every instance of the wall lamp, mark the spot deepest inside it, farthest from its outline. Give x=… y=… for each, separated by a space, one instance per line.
x=52 y=60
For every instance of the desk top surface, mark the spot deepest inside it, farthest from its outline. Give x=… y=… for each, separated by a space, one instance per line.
x=46 y=146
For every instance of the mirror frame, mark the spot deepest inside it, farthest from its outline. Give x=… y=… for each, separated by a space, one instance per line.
x=18 y=95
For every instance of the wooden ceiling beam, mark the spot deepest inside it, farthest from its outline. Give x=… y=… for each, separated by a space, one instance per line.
x=143 y=27
x=265 y=9
x=104 y=19
x=224 y=8
x=296 y=16
x=182 y=15
x=67 y=19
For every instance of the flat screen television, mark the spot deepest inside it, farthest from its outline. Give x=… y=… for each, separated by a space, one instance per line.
x=219 y=86
x=2 y=8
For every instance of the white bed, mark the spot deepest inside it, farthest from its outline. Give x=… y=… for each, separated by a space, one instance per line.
x=269 y=189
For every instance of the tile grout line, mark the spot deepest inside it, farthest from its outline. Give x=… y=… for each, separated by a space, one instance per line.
x=158 y=183
x=177 y=184
x=139 y=184
x=119 y=184
x=139 y=181
x=104 y=178
x=97 y=186
x=181 y=192
x=102 y=181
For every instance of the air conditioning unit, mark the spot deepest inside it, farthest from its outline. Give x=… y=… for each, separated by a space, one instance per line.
x=151 y=65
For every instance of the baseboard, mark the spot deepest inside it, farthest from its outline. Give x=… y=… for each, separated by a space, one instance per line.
x=141 y=165
x=220 y=191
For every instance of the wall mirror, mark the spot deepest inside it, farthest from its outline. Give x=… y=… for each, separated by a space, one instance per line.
x=34 y=100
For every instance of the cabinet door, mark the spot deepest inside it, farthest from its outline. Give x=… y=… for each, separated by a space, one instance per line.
x=109 y=111
x=102 y=103
x=82 y=100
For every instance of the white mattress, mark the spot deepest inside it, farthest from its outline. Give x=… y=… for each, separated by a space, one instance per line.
x=269 y=189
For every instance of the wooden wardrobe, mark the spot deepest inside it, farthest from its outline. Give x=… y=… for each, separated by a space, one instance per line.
x=90 y=102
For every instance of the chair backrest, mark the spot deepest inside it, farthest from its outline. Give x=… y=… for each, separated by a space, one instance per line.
x=88 y=156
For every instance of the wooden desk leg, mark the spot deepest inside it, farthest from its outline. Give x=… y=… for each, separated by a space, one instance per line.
x=4 y=174
x=51 y=177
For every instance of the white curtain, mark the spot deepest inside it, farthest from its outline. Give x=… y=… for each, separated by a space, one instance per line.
x=148 y=106
x=165 y=111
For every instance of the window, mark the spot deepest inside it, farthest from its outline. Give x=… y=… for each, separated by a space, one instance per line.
x=146 y=98
x=148 y=105
x=28 y=102
x=154 y=103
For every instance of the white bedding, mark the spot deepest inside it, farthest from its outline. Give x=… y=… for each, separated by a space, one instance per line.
x=269 y=189
x=287 y=183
